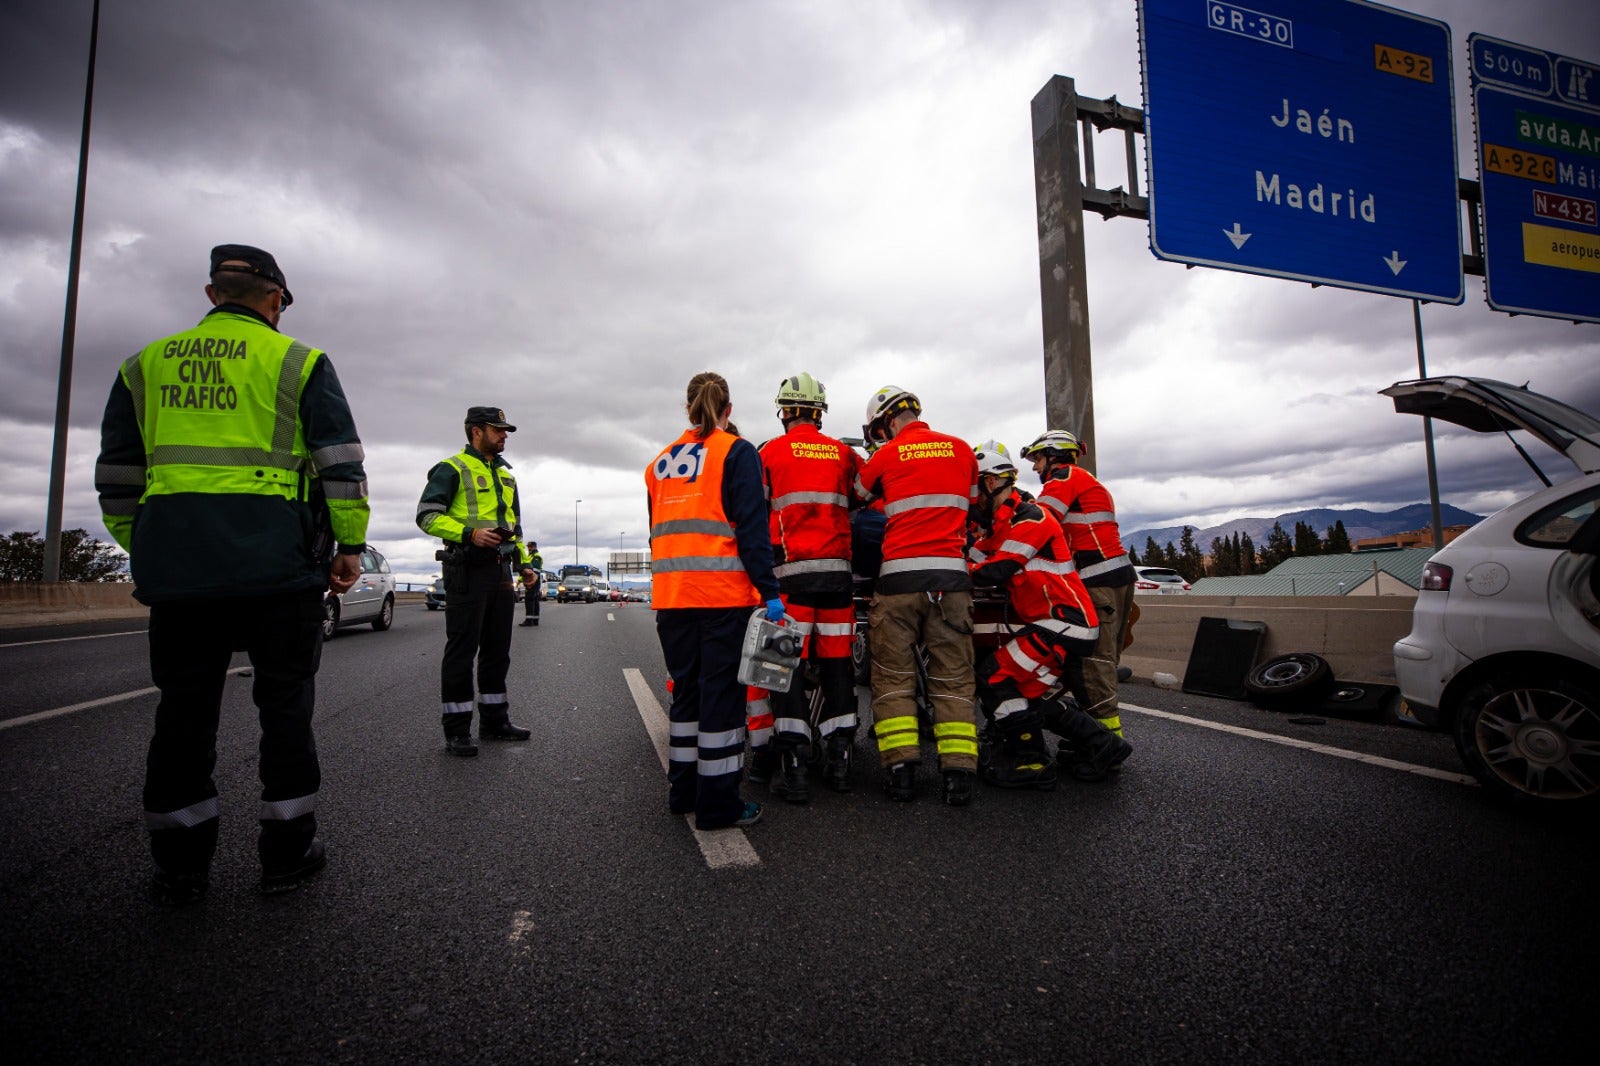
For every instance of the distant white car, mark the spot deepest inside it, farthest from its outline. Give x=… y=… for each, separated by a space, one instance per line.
x=1159 y=581
x=1504 y=648
x=370 y=599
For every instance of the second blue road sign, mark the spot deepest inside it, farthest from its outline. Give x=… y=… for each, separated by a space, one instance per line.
x=1303 y=139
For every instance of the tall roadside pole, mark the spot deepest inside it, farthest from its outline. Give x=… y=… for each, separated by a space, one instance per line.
x=1064 y=184
x=58 y=455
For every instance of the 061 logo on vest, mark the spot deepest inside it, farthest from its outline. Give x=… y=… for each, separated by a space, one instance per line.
x=681 y=461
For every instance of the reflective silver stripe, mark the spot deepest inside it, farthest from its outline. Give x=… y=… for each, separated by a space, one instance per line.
x=1017 y=547
x=1067 y=629
x=836 y=629
x=186 y=818
x=1027 y=661
x=287 y=409
x=718 y=767
x=794 y=726
x=830 y=726
x=861 y=489
x=283 y=810
x=133 y=377
x=697 y=562
x=458 y=708
x=682 y=729
x=691 y=525
x=427 y=510
x=206 y=455
x=344 y=490
x=752 y=708
x=725 y=739
x=493 y=699
x=812 y=566
x=112 y=474
x=1049 y=566
x=339 y=453
x=920 y=562
x=1054 y=504
x=789 y=498
x=1010 y=707
x=930 y=499
x=1091 y=518
x=1105 y=566
x=682 y=755
x=119 y=506
x=759 y=737
x=801 y=628
x=977 y=556
x=992 y=629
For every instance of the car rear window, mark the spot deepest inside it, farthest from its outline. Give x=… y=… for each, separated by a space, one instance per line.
x=1556 y=525
x=1161 y=575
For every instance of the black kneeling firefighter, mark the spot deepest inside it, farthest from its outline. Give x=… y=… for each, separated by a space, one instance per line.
x=471 y=504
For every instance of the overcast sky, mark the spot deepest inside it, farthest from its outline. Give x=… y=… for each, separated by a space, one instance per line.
x=568 y=209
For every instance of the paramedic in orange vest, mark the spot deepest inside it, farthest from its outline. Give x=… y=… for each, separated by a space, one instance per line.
x=924 y=594
x=809 y=480
x=1089 y=517
x=1021 y=548
x=712 y=566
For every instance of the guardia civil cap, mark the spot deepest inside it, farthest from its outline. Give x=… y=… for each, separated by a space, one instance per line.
x=248 y=260
x=489 y=416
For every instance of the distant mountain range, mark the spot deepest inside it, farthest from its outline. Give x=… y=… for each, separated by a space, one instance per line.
x=1358 y=523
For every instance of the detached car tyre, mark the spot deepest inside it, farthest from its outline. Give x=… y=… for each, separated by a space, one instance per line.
x=1533 y=738
x=1297 y=677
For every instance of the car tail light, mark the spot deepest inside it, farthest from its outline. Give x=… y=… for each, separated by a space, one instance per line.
x=1436 y=577
x=1147 y=585
x=1186 y=586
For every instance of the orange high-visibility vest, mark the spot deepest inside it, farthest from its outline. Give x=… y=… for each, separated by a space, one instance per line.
x=694 y=554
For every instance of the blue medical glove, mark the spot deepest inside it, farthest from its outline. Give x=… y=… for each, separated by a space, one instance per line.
x=775 y=611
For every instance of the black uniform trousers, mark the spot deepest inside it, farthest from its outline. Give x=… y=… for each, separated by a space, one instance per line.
x=531 y=597
x=479 y=608
x=191 y=643
x=706 y=721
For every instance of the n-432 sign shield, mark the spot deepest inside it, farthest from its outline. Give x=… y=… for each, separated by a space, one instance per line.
x=1303 y=139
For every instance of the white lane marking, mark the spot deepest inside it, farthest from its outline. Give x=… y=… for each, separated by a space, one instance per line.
x=723 y=847
x=39 y=716
x=1310 y=745
x=610 y=617
x=521 y=926
x=62 y=640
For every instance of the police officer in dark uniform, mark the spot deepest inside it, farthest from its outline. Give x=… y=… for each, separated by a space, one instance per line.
x=471 y=504
x=533 y=589
x=229 y=467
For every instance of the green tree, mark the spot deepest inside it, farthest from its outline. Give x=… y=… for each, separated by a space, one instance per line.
x=1190 y=562
x=1247 y=554
x=1338 y=540
x=1133 y=557
x=1152 y=553
x=1277 y=548
x=1306 y=541
x=82 y=557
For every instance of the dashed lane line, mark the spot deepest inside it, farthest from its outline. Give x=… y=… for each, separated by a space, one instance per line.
x=63 y=640
x=722 y=848
x=39 y=716
x=610 y=617
x=1310 y=745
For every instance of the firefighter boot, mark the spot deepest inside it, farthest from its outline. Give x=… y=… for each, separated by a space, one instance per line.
x=791 y=783
x=958 y=787
x=762 y=761
x=836 y=762
x=458 y=734
x=1022 y=759
x=494 y=723
x=1095 y=749
x=900 y=782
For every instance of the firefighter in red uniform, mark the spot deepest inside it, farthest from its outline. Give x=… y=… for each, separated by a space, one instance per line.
x=1021 y=548
x=1089 y=517
x=924 y=594
x=809 y=478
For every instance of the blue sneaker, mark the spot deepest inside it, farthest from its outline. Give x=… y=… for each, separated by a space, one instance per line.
x=749 y=816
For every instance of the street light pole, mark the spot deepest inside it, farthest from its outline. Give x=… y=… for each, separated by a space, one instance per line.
x=575 y=530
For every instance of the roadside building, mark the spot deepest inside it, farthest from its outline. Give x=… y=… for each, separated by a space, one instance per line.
x=1381 y=572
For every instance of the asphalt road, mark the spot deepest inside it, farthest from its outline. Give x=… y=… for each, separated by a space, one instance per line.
x=1232 y=897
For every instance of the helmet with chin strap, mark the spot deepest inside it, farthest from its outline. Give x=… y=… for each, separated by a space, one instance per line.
x=994 y=459
x=1055 y=444
x=885 y=404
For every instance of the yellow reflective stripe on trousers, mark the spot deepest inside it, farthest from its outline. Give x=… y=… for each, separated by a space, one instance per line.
x=898 y=732
x=955 y=729
x=952 y=746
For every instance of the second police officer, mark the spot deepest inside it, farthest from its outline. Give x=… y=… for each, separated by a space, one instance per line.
x=471 y=504
x=809 y=478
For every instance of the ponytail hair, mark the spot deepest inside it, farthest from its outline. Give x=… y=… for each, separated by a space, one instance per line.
x=708 y=398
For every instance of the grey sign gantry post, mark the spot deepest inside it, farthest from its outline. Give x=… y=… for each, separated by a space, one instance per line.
x=1064 y=185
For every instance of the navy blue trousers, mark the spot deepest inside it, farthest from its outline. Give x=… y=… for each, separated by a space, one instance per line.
x=707 y=717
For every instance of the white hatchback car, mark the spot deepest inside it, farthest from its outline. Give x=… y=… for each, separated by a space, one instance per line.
x=1504 y=649
x=370 y=599
x=1159 y=581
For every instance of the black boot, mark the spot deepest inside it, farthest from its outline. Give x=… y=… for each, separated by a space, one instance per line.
x=1094 y=750
x=458 y=734
x=900 y=782
x=762 y=761
x=791 y=783
x=1022 y=759
x=836 y=763
x=494 y=723
x=958 y=787
x=287 y=878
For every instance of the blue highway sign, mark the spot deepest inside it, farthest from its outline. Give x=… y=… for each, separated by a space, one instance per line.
x=1304 y=139
x=1538 y=118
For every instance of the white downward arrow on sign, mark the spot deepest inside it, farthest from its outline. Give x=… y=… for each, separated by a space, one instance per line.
x=1238 y=238
x=1396 y=264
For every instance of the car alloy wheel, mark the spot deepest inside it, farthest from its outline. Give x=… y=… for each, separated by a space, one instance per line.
x=385 y=617
x=1532 y=739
